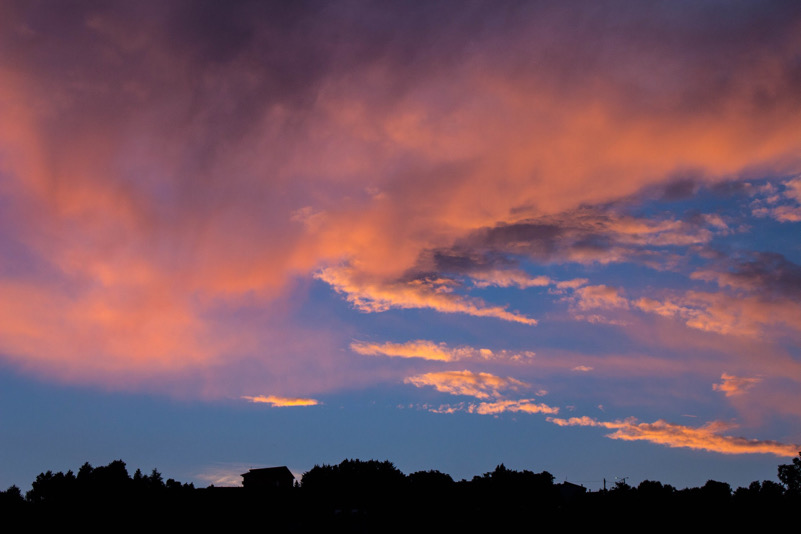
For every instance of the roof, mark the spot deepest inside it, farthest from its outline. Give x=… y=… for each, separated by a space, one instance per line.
x=268 y=477
x=274 y=471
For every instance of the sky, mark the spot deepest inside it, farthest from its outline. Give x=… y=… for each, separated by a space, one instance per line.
x=561 y=236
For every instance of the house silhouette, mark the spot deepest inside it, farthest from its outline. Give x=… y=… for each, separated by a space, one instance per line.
x=268 y=478
x=570 y=491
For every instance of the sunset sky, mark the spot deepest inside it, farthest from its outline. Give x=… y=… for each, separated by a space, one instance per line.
x=565 y=236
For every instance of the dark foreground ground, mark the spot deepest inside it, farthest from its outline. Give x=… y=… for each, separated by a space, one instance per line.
x=372 y=496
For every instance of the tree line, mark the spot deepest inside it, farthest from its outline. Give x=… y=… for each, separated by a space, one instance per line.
x=375 y=496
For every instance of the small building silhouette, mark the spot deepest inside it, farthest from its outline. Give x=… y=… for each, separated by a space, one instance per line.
x=570 y=491
x=268 y=478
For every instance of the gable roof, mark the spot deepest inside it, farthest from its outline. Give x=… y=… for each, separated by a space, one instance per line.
x=268 y=476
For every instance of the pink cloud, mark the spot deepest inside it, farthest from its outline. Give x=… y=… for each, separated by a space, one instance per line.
x=599 y=297
x=510 y=278
x=521 y=406
x=721 y=313
x=784 y=207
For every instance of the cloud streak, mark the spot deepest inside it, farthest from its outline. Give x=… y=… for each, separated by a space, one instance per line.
x=478 y=385
x=515 y=406
x=378 y=296
x=428 y=350
x=707 y=437
x=281 y=402
x=758 y=297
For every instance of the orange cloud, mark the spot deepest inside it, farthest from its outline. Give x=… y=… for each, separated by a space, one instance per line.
x=761 y=306
x=738 y=315
x=632 y=231
x=105 y=330
x=372 y=295
x=572 y=284
x=275 y=401
x=428 y=350
x=170 y=188
x=479 y=385
x=735 y=385
x=707 y=437
x=598 y=297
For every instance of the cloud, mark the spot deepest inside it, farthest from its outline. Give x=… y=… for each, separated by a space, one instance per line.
x=377 y=296
x=494 y=408
x=522 y=406
x=784 y=207
x=771 y=275
x=520 y=279
x=509 y=278
x=428 y=350
x=575 y=421
x=599 y=297
x=276 y=401
x=707 y=437
x=225 y=475
x=590 y=234
x=751 y=316
x=479 y=385
x=735 y=385
x=173 y=175
x=759 y=296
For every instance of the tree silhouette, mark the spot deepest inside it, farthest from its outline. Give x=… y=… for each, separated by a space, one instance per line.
x=49 y=487
x=790 y=475
x=375 y=496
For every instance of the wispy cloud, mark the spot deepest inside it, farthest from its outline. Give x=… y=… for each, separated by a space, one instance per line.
x=509 y=278
x=521 y=405
x=225 y=475
x=707 y=437
x=783 y=206
x=428 y=350
x=771 y=275
x=740 y=315
x=598 y=297
x=276 y=401
x=478 y=385
x=530 y=406
x=375 y=295
x=757 y=295
x=585 y=235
